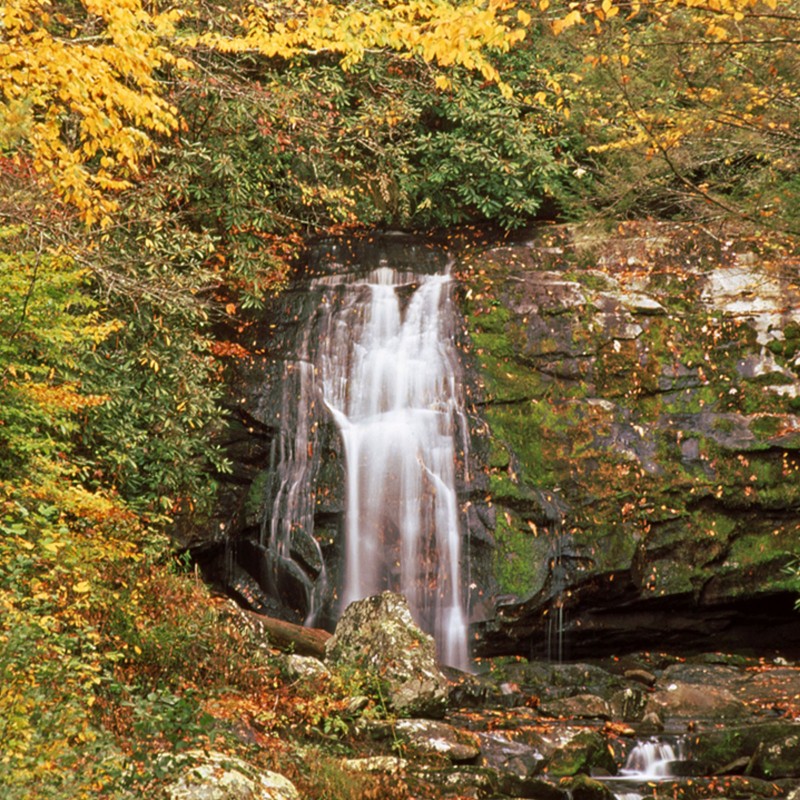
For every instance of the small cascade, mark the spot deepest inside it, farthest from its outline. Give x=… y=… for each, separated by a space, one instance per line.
x=378 y=359
x=647 y=763
x=652 y=760
x=556 y=621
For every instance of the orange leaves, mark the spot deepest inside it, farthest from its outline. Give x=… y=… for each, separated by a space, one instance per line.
x=561 y=24
x=63 y=397
x=223 y=349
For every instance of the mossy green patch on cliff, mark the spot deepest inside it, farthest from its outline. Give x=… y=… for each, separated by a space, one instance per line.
x=777 y=545
x=520 y=557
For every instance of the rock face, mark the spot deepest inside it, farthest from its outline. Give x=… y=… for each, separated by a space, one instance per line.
x=377 y=634
x=634 y=470
x=641 y=391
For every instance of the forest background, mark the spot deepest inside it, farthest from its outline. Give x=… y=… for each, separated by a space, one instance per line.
x=161 y=166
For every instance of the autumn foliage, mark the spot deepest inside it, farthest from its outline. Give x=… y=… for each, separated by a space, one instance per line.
x=160 y=165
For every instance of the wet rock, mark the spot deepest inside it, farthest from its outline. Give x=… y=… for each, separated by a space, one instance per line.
x=507 y=756
x=377 y=634
x=388 y=764
x=218 y=776
x=466 y=781
x=532 y=788
x=549 y=681
x=688 y=701
x=733 y=788
x=429 y=737
x=715 y=674
x=472 y=691
x=771 y=748
x=580 y=754
x=629 y=704
x=579 y=706
x=582 y=787
x=651 y=723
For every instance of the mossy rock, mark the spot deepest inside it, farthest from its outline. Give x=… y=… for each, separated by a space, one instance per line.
x=583 y=752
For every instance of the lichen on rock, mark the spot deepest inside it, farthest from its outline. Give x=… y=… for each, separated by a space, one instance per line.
x=379 y=636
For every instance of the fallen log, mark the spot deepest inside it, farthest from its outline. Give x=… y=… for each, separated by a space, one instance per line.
x=288 y=636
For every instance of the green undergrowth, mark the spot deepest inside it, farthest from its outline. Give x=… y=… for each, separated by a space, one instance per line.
x=115 y=659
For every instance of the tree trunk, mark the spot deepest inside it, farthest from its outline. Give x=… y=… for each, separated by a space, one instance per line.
x=287 y=635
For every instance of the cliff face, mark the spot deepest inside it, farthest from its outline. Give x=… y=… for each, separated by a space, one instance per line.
x=634 y=474
x=642 y=391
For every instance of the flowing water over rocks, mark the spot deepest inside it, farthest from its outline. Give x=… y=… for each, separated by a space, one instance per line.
x=528 y=751
x=390 y=377
x=368 y=479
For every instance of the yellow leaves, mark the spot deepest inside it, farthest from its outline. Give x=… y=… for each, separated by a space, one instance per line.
x=573 y=18
x=442 y=82
x=151 y=363
x=444 y=33
x=82 y=587
x=100 y=80
x=98 y=77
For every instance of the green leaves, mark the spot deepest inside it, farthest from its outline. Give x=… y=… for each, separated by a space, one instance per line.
x=47 y=323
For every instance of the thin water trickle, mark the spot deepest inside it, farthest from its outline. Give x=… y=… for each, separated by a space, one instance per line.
x=380 y=358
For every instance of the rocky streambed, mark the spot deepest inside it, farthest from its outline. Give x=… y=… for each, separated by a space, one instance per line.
x=643 y=725
x=648 y=724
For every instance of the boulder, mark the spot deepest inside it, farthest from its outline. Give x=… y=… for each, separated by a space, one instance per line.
x=432 y=737
x=582 y=787
x=305 y=667
x=379 y=636
x=691 y=701
x=388 y=764
x=772 y=749
x=579 y=706
x=509 y=757
x=581 y=753
x=218 y=776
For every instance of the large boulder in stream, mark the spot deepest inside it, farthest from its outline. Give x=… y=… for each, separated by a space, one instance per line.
x=379 y=636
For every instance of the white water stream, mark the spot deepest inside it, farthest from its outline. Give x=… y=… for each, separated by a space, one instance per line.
x=380 y=357
x=648 y=762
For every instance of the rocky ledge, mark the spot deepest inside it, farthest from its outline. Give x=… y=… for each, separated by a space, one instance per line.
x=639 y=391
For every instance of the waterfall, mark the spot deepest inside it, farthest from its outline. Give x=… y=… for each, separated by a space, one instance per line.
x=379 y=356
x=652 y=760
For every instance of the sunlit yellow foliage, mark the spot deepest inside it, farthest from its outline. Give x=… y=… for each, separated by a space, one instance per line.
x=444 y=33
x=79 y=92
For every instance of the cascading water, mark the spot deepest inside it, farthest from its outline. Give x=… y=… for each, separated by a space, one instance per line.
x=649 y=761
x=379 y=356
